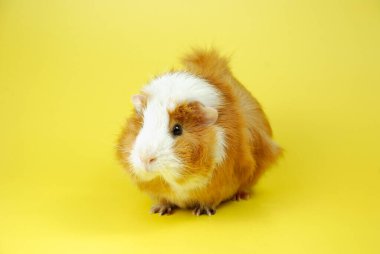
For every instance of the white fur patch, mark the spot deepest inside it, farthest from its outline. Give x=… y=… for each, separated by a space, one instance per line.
x=174 y=88
x=155 y=139
x=220 y=146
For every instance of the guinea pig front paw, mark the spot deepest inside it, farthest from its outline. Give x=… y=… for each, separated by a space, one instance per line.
x=162 y=209
x=199 y=210
x=241 y=195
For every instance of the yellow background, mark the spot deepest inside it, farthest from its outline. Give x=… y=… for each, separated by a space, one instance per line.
x=68 y=69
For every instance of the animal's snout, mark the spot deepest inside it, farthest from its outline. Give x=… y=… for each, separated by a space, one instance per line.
x=147 y=160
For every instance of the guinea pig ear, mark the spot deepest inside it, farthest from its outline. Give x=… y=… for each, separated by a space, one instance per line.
x=139 y=102
x=210 y=115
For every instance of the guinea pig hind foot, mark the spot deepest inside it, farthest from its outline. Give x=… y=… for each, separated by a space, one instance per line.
x=199 y=210
x=163 y=209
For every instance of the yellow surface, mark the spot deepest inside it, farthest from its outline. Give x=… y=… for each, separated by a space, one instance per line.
x=68 y=69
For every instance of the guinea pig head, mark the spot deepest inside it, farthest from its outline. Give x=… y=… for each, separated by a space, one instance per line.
x=176 y=140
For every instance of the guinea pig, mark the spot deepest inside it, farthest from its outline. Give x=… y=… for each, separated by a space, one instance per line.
x=196 y=137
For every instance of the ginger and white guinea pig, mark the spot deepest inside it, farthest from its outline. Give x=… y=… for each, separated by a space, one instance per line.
x=196 y=138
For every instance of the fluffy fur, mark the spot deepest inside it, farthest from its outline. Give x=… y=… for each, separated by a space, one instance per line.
x=225 y=146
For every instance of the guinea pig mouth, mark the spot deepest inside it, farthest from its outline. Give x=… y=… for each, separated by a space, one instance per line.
x=146 y=175
x=154 y=170
x=149 y=169
x=153 y=164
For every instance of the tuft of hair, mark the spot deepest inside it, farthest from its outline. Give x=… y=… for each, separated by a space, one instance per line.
x=207 y=63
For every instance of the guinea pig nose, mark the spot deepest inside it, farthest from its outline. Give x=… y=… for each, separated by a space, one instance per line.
x=151 y=160
x=148 y=159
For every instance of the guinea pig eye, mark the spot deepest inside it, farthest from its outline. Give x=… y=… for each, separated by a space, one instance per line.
x=177 y=130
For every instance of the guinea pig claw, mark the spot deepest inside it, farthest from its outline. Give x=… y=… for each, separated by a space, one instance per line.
x=162 y=209
x=199 y=210
x=241 y=195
